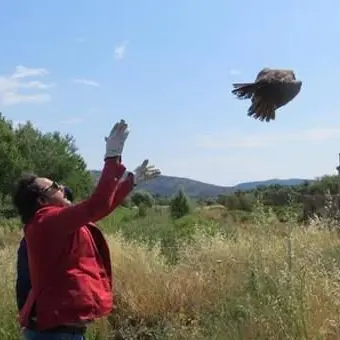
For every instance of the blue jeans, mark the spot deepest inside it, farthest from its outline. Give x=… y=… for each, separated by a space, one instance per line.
x=33 y=335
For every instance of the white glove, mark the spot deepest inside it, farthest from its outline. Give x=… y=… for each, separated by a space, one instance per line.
x=145 y=172
x=116 y=140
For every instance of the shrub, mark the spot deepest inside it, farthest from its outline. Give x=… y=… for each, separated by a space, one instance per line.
x=180 y=205
x=142 y=198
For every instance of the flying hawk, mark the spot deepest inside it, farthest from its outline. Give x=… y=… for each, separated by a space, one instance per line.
x=272 y=89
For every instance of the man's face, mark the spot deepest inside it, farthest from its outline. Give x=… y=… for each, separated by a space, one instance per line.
x=53 y=192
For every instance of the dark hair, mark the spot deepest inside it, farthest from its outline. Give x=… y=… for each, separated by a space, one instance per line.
x=25 y=197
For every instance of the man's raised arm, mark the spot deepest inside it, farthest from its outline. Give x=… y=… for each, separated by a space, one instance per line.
x=99 y=204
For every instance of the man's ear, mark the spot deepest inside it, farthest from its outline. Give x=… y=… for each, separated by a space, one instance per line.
x=42 y=200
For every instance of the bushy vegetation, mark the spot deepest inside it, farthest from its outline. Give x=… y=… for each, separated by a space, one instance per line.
x=180 y=205
x=26 y=149
x=208 y=276
x=277 y=196
x=238 y=267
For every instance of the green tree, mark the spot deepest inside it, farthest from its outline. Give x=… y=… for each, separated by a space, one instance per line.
x=139 y=198
x=142 y=210
x=54 y=156
x=222 y=199
x=209 y=201
x=10 y=158
x=180 y=205
x=232 y=202
x=246 y=202
x=26 y=149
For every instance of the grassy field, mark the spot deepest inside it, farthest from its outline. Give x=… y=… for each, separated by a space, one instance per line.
x=210 y=275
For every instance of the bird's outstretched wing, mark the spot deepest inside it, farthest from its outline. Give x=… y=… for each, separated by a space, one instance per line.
x=272 y=89
x=243 y=90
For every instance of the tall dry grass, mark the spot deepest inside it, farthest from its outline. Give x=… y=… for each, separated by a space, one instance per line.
x=244 y=287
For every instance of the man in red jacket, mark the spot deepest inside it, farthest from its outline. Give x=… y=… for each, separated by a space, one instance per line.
x=69 y=259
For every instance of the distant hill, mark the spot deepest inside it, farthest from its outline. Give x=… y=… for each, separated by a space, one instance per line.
x=284 y=182
x=169 y=185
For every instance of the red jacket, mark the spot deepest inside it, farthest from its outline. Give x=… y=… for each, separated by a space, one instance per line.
x=69 y=258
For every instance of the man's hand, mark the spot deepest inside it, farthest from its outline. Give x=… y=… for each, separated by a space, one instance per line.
x=116 y=139
x=145 y=172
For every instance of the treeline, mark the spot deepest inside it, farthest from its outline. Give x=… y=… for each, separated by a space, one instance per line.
x=278 y=195
x=275 y=196
x=26 y=149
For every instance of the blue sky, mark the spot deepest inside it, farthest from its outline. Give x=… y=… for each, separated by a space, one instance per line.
x=167 y=68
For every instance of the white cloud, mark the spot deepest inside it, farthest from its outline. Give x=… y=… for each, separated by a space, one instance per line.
x=86 y=82
x=120 y=50
x=267 y=140
x=11 y=86
x=23 y=72
x=36 y=85
x=234 y=72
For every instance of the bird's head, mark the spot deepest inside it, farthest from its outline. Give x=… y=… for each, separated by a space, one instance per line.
x=297 y=85
x=291 y=89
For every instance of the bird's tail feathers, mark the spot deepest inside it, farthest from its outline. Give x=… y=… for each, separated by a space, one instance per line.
x=244 y=90
x=262 y=111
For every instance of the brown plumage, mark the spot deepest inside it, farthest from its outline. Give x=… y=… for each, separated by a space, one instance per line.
x=272 y=89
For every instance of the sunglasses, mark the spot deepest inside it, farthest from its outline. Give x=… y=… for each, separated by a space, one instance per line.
x=54 y=185
x=67 y=191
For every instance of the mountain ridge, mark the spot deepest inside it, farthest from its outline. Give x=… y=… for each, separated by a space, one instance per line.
x=168 y=185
